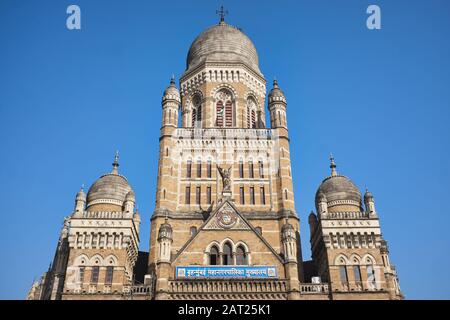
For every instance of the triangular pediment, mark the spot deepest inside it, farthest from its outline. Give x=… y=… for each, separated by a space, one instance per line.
x=227 y=217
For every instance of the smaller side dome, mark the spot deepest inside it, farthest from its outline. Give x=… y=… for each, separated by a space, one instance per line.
x=130 y=196
x=81 y=196
x=108 y=192
x=339 y=192
x=276 y=94
x=287 y=232
x=165 y=231
x=171 y=92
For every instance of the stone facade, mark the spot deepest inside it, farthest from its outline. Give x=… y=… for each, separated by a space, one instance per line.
x=224 y=199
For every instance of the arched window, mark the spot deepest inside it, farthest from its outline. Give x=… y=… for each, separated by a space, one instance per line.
x=343 y=274
x=220 y=114
x=357 y=274
x=261 y=169
x=224 y=109
x=208 y=195
x=259 y=230
x=285 y=194
x=251 y=113
x=196 y=111
x=250 y=169
x=371 y=280
x=194 y=116
x=189 y=169
x=199 y=168
x=228 y=114
x=213 y=256
x=94 y=275
x=241 y=169
x=227 y=256
x=193 y=230
x=241 y=256
x=262 y=196
x=208 y=169
x=109 y=275
x=81 y=274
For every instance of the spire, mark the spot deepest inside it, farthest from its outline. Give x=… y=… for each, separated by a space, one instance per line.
x=172 y=80
x=222 y=13
x=332 y=166
x=275 y=83
x=115 y=164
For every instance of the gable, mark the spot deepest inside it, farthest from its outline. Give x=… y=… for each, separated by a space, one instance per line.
x=226 y=217
x=230 y=223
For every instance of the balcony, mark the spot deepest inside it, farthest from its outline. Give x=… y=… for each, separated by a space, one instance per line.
x=314 y=288
x=228 y=289
x=138 y=290
x=223 y=134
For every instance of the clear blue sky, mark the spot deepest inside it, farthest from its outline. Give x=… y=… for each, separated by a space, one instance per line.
x=379 y=100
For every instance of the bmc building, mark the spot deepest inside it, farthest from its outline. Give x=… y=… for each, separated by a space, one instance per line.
x=224 y=225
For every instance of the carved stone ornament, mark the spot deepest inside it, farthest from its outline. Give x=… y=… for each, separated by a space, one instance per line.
x=226 y=218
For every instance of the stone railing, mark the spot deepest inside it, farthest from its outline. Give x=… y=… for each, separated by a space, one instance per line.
x=229 y=286
x=105 y=215
x=357 y=286
x=229 y=133
x=344 y=215
x=239 y=289
x=138 y=290
x=314 y=288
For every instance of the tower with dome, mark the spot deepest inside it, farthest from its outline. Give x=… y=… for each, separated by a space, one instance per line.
x=224 y=224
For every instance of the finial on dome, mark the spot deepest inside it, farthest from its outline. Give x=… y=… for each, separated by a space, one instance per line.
x=172 y=80
x=222 y=13
x=275 y=82
x=115 y=164
x=332 y=166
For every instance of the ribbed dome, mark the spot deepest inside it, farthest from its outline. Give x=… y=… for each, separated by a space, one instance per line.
x=276 y=91
x=338 y=188
x=171 y=91
x=110 y=188
x=222 y=43
x=339 y=192
x=165 y=231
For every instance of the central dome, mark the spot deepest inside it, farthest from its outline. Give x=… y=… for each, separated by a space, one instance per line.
x=222 y=43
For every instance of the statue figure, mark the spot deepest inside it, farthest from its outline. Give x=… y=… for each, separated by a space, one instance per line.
x=226 y=178
x=65 y=228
